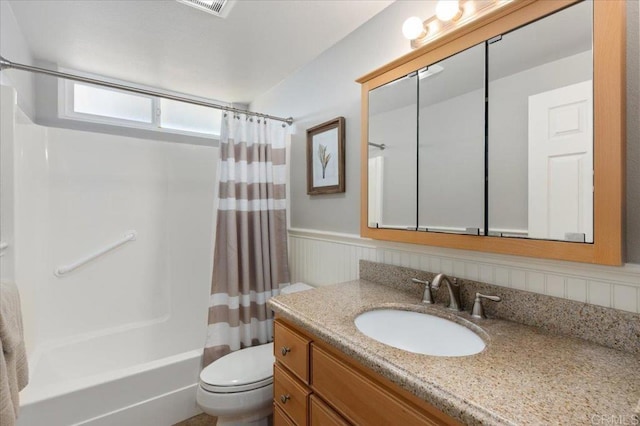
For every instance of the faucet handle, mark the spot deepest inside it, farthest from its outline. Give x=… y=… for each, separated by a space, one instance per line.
x=426 y=296
x=478 y=309
x=486 y=296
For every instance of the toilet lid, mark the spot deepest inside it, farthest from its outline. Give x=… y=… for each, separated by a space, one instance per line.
x=240 y=371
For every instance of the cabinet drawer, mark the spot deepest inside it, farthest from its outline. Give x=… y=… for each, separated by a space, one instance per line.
x=320 y=414
x=280 y=418
x=363 y=401
x=290 y=395
x=292 y=350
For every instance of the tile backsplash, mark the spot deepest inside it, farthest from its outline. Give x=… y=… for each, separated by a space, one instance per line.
x=609 y=327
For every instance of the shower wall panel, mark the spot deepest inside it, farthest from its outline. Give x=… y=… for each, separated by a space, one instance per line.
x=76 y=193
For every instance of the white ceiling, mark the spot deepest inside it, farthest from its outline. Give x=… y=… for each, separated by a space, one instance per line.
x=165 y=44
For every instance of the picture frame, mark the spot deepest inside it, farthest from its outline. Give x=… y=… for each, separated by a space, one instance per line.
x=325 y=157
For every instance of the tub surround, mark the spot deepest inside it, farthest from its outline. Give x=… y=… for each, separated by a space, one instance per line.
x=526 y=375
x=79 y=372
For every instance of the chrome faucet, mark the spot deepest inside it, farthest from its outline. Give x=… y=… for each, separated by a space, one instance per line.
x=454 y=290
x=426 y=296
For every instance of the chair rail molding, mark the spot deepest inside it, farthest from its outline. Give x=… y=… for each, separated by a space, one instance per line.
x=322 y=257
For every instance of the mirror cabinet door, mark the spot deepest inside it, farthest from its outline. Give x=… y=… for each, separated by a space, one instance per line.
x=540 y=128
x=393 y=178
x=451 y=148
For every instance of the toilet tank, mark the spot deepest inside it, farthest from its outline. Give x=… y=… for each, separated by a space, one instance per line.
x=296 y=287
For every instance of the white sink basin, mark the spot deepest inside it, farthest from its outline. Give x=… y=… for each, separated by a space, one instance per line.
x=419 y=333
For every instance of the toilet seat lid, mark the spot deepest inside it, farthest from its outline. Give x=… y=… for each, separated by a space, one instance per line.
x=239 y=371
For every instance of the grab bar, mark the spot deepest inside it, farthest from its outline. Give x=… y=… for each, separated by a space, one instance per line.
x=61 y=270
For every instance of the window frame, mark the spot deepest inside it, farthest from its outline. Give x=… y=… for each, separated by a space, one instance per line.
x=66 y=105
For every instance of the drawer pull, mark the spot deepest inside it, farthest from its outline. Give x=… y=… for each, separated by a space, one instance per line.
x=285 y=350
x=284 y=398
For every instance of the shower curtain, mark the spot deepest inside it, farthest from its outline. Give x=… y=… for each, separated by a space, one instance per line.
x=250 y=259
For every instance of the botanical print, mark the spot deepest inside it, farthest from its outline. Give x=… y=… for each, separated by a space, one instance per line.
x=324 y=158
x=325 y=164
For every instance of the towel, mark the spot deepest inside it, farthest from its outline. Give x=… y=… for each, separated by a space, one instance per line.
x=14 y=373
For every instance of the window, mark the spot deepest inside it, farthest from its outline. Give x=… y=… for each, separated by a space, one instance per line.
x=187 y=117
x=96 y=104
x=112 y=104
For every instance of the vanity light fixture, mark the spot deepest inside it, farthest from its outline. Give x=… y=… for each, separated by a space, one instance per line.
x=413 y=28
x=450 y=14
x=448 y=10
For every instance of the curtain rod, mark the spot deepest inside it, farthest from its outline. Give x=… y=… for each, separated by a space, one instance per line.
x=6 y=64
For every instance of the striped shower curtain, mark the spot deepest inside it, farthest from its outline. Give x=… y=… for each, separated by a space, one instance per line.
x=250 y=259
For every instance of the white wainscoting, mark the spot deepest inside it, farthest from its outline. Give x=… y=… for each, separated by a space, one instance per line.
x=321 y=258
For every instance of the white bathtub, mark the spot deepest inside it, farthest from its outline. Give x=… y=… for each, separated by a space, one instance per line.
x=114 y=379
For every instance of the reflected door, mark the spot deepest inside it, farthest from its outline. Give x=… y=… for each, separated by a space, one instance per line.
x=561 y=164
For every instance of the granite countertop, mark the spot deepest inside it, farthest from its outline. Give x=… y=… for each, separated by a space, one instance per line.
x=525 y=376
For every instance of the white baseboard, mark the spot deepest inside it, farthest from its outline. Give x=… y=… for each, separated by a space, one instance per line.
x=320 y=258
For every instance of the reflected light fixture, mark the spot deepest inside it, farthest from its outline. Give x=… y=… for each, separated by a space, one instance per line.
x=450 y=14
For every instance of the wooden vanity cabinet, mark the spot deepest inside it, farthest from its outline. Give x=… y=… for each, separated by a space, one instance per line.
x=291 y=375
x=336 y=389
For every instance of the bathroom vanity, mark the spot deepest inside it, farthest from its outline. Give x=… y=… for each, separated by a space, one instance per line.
x=316 y=384
x=327 y=372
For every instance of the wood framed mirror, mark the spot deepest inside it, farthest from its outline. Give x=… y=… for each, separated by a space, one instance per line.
x=407 y=222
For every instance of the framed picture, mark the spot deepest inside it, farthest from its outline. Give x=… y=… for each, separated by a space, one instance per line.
x=325 y=158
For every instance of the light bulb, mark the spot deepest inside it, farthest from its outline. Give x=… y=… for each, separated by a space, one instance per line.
x=412 y=28
x=447 y=10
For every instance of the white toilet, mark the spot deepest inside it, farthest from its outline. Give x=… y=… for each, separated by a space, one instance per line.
x=238 y=388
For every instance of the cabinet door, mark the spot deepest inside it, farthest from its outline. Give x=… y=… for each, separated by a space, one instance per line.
x=280 y=418
x=393 y=167
x=362 y=400
x=290 y=395
x=451 y=144
x=541 y=127
x=320 y=414
x=292 y=350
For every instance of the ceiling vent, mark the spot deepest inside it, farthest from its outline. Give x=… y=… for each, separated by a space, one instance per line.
x=219 y=8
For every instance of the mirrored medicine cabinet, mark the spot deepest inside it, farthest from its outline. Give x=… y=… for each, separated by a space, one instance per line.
x=505 y=135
